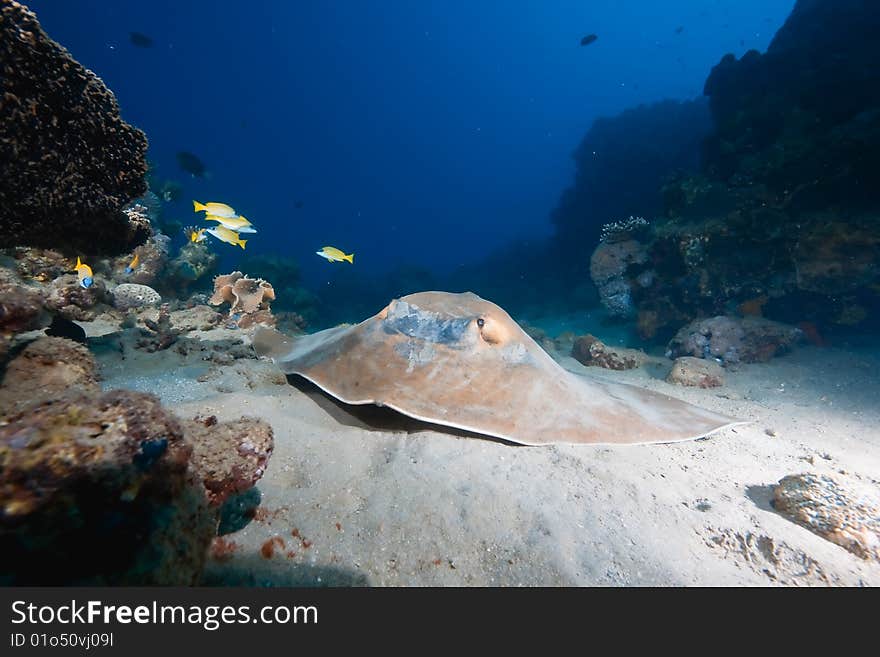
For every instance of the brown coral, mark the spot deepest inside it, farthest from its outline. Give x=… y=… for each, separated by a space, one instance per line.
x=68 y=162
x=249 y=297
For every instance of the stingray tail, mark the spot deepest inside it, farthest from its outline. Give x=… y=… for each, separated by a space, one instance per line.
x=271 y=343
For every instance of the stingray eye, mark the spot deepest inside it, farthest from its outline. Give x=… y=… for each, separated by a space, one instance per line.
x=481 y=322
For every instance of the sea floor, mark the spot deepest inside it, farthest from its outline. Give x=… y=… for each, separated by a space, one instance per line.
x=363 y=496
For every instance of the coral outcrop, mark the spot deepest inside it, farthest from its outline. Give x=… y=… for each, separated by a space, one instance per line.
x=194 y=263
x=248 y=298
x=610 y=268
x=731 y=340
x=68 y=162
x=833 y=510
x=72 y=301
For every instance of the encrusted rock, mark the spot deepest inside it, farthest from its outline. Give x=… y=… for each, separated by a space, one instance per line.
x=832 y=510
x=696 y=372
x=608 y=267
x=132 y=295
x=591 y=351
x=47 y=369
x=98 y=490
x=71 y=300
x=159 y=333
x=731 y=340
x=230 y=457
x=21 y=309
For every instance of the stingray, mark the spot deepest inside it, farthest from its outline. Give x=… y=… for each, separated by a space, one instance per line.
x=460 y=361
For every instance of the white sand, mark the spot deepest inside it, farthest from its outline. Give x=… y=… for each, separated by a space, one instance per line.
x=382 y=500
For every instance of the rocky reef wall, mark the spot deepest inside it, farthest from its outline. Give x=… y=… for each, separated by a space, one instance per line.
x=783 y=219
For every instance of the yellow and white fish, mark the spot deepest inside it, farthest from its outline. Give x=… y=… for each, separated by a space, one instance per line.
x=133 y=264
x=194 y=234
x=216 y=209
x=225 y=235
x=333 y=254
x=238 y=224
x=84 y=273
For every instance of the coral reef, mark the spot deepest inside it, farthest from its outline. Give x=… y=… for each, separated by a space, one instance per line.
x=590 y=351
x=696 y=372
x=785 y=208
x=248 y=298
x=41 y=265
x=731 y=340
x=833 y=510
x=68 y=162
x=132 y=295
x=72 y=301
x=230 y=456
x=152 y=262
x=47 y=369
x=195 y=262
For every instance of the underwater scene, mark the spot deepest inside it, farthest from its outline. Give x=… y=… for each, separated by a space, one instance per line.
x=460 y=293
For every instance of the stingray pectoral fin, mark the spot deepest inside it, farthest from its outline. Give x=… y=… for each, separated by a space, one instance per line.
x=270 y=343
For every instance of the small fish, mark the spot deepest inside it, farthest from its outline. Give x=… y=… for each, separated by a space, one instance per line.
x=84 y=272
x=333 y=254
x=239 y=224
x=194 y=234
x=225 y=235
x=133 y=264
x=140 y=40
x=215 y=209
x=679 y=29
x=587 y=40
x=191 y=163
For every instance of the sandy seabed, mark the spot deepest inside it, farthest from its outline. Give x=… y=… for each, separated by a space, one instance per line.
x=363 y=496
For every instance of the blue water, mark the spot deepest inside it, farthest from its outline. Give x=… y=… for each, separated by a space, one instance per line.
x=424 y=134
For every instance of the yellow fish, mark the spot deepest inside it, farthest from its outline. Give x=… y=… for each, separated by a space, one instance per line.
x=84 y=273
x=239 y=224
x=194 y=234
x=216 y=209
x=333 y=254
x=225 y=235
x=134 y=263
